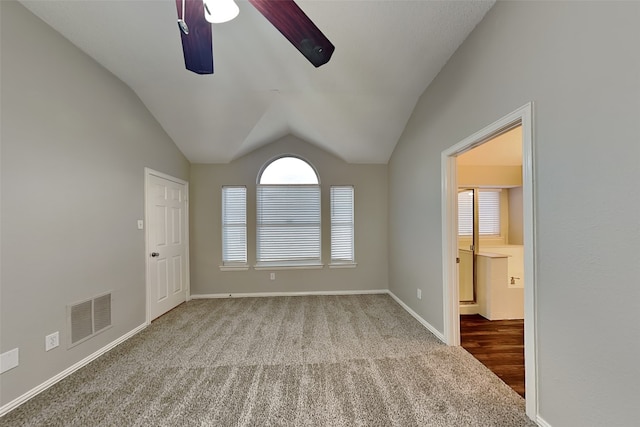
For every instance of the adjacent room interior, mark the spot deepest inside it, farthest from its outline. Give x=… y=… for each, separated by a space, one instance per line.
x=491 y=252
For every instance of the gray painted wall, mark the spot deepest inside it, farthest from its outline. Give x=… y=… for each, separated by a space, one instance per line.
x=75 y=141
x=579 y=63
x=370 y=197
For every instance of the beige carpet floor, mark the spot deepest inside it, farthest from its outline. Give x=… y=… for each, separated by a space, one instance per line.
x=282 y=361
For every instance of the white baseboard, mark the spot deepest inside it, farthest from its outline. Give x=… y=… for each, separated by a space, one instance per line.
x=287 y=294
x=62 y=375
x=541 y=422
x=469 y=309
x=424 y=323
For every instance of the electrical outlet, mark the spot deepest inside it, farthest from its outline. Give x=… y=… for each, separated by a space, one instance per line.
x=273 y=276
x=419 y=293
x=51 y=341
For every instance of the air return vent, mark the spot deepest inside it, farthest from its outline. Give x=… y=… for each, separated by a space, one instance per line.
x=88 y=318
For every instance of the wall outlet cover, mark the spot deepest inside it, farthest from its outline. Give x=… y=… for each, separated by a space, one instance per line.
x=51 y=341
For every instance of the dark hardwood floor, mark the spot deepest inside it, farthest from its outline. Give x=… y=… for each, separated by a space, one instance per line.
x=498 y=344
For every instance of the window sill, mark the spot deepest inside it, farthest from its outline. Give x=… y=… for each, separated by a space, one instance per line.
x=234 y=267
x=289 y=266
x=344 y=265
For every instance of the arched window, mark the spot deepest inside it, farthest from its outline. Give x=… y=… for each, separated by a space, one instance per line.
x=288 y=170
x=288 y=214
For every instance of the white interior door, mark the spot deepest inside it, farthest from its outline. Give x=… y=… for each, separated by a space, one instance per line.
x=167 y=243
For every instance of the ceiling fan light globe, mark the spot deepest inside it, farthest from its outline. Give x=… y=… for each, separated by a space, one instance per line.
x=219 y=11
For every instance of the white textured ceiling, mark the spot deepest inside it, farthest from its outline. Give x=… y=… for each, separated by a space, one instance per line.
x=356 y=106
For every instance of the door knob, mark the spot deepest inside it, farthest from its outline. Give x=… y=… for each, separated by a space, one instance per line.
x=155 y=254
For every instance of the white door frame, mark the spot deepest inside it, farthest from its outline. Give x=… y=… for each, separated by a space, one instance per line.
x=522 y=116
x=147 y=173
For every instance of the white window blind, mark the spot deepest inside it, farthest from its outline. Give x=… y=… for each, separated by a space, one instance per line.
x=342 y=233
x=234 y=225
x=488 y=213
x=288 y=223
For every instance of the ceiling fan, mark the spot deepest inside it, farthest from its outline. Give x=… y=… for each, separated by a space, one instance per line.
x=285 y=15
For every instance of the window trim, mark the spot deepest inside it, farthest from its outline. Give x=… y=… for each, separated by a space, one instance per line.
x=288 y=265
x=293 y=264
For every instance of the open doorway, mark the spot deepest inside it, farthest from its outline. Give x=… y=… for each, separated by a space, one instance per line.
x=519 y=118
x=490 y=250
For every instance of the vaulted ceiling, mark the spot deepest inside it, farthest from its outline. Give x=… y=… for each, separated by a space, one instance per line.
x=356 y=106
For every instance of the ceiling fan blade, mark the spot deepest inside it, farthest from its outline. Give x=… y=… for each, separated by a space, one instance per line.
x=197 y=45
x=296 y=26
